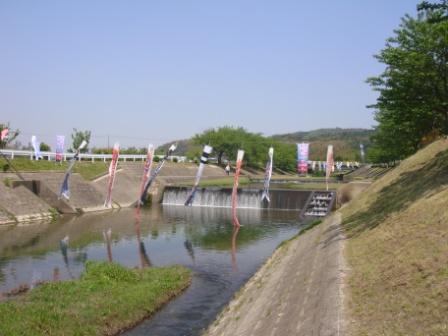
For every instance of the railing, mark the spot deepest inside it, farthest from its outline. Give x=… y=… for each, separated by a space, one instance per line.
x=51 y=156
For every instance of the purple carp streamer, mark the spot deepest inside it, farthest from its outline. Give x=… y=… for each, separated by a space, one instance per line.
x=154 y=174
x=65 y=191
x=267 y=176
x=112 y=171
x=204 y=158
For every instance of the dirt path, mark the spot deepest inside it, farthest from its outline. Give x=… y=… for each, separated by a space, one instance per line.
x=297 y=292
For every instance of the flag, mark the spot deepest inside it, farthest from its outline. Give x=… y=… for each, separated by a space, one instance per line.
x=302 y=157
x=204 y=158
x=268 y=175
x=36 y=146
x=239 y=162
x=146 y=171
x=361 y=148
x=155 y=173
x=330 y=163
x=4 y=134
x=60 y=139
x=112 y=170
x=65 y=191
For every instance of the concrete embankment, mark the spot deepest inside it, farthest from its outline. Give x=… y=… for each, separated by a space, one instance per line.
x=297 y=292
x=37 y=198
x=20 y=204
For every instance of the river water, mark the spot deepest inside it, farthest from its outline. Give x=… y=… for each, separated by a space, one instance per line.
x=202 y=239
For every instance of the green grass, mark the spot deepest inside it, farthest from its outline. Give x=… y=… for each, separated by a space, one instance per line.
x=219 y=182
x=106 y=300
x=397 y=250
x=245 y=181
x=311 y=186
x=88 y=170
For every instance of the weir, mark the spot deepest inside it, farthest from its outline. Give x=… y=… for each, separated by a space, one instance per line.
x=295 y=200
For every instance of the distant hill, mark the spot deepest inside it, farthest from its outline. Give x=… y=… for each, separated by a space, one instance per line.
x=185 y=147
x=345 y=141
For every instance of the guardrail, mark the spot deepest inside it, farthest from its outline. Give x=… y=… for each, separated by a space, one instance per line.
x=51 y=156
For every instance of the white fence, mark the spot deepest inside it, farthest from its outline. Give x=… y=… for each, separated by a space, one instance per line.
x=51 y=156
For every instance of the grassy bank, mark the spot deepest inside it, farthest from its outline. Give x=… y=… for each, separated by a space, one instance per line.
x=397 y=249
x=88 y=170
x=106 y=300
x=244 y=181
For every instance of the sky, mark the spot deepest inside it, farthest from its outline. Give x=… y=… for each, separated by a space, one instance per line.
x=141 y=72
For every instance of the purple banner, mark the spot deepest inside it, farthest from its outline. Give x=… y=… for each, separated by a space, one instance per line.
x=60 y=139
x=302 y=157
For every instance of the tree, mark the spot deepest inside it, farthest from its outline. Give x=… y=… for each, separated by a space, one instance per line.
x=413 y=89
x=227 y=140
x=11 y=135
x=44 y=147
x=78 y=137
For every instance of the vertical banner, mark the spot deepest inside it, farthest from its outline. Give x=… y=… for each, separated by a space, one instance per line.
x=302 y=157
x=112 y=171
x=268 y=175
x=330 y=163
x=4 y=134
x=65 y=191
x=36 y=147
x=146 y=171
x=204 y=158
x=156 y=171
x=361 y=149
x=239 y=162
x=60 y=139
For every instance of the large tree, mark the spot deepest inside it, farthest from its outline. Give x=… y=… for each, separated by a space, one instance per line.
x=227 y=140
x=413 y=89
x=78 y=137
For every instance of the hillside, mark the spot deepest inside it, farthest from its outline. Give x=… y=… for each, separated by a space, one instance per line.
x=345 y=141
x=397 y=250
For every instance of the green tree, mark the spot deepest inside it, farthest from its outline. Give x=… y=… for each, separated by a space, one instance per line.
x=78 y=137
x=11 y=135
x=44 y=147
x=413 y=89
x=227 y=140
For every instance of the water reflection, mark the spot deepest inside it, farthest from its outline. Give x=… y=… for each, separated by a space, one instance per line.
x=108 y=239
x=221 y=257
x=236 y=229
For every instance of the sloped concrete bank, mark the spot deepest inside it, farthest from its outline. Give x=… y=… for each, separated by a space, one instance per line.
x=37 y=199
x=297 y=292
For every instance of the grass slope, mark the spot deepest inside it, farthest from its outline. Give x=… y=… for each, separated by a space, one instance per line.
x=397 y=249
x=106 y=300
x=88 y=170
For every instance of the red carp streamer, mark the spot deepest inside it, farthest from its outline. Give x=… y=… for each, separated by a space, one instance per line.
x=239 y=162
x=146 y=173
x=112 y=171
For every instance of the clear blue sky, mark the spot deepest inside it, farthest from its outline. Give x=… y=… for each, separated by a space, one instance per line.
x=154 y=71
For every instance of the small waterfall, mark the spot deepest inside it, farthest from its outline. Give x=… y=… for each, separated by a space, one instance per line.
x=247 y=198
x=213 y=197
